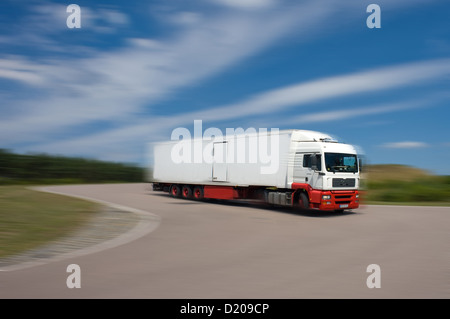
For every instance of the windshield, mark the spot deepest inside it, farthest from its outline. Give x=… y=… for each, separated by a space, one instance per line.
x=338 y=162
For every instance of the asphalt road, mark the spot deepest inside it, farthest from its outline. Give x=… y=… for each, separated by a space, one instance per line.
x=231 y=250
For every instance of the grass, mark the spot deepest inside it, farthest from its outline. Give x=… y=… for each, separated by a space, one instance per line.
x=30 y=218
x=398 y=184
x=437 y=204
x=394 y=172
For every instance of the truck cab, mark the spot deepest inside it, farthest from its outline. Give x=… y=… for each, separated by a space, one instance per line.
x=326 y=172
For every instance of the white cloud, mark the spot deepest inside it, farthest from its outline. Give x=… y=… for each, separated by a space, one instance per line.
x=342 y=114
x=246 y=4
x=272 y=101
x=18 y=69
x=276 y=100
x=21 y=76
x=405 y=144
x=115 y=85
x=185 y=18
x=114 y=17
x=102 y=20
x=38 y=26
x=47 y=18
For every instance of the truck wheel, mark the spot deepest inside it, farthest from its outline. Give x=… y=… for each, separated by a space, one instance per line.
x=186 y=192
x=175 y=191
x=198 y=192
x=303 y=201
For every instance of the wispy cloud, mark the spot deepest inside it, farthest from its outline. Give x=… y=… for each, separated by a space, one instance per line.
x=17 y=69
x=405 y=144
x=274 y=101
x=341 y=114
x=246 y=4
x=115 y=85
x=42 y=25
x=118 y=86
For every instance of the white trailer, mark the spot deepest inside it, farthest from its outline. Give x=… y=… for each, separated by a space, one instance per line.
x=290 y=168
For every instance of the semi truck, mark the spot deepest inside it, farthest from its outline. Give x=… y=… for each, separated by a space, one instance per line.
x=291 y=168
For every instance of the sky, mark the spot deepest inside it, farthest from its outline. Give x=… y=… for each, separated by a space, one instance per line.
x=136 y=70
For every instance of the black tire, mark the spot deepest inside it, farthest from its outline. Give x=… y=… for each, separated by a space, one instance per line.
x=186 y=192
x=198 y=193
x=303 y=201
x=175 y=191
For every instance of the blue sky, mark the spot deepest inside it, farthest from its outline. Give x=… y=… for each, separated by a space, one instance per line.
x=136 y=70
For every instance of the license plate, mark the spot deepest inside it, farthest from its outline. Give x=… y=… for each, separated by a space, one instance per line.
x=343 y=206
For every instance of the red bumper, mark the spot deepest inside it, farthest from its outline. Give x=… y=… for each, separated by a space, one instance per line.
x=329 y=200
x=336 y=200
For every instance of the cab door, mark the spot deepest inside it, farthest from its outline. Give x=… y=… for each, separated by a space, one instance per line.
x=307 y=167
x=300 y=172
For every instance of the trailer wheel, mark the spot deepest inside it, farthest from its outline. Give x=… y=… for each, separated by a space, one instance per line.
x=175 y=191
x=198 y=192
x=186 y=192
x=303 y=201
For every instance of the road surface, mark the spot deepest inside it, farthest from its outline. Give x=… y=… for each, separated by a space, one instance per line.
x=231 y=250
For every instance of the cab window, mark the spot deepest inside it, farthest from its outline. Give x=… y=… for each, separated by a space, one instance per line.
x=307 y=161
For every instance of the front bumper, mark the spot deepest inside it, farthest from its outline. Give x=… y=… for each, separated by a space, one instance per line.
x=338 y=200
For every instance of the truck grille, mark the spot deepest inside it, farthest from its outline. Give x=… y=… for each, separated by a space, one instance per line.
x=343 y=182
x=343 y=196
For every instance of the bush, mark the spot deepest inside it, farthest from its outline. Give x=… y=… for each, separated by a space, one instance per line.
x=47 y=169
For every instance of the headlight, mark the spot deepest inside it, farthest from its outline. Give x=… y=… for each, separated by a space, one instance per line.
x=357 y=196
x=326 y=197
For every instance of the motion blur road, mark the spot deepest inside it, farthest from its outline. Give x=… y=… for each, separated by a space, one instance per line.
x=232 y=250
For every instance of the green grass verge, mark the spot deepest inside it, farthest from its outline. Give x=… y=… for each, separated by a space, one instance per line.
x=403 y=185
x=30 y=218
x=438 y=204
